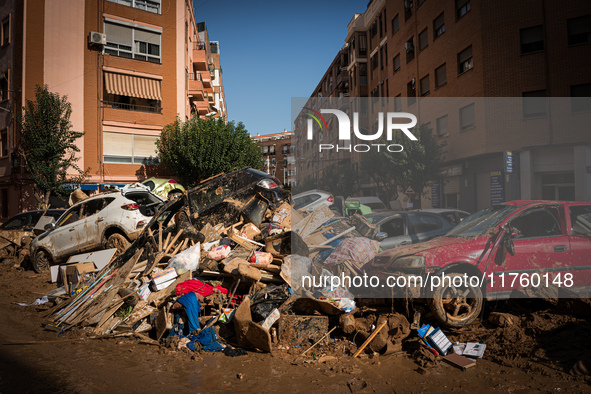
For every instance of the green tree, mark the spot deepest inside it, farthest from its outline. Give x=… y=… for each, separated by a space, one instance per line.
x=47 y=144
x=418 y=165
x=200 y=148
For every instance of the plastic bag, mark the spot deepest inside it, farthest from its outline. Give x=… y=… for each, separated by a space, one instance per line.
x=187 y=260
x=294 y=267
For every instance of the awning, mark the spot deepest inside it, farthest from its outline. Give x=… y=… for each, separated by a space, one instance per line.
x=128 y=85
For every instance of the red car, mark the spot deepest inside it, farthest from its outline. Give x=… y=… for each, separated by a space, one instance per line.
x=515 y=245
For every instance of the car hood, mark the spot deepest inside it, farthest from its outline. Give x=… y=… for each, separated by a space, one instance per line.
x=437 y=252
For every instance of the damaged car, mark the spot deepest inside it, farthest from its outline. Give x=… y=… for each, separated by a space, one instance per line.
x=105 y=221
x=509 y=247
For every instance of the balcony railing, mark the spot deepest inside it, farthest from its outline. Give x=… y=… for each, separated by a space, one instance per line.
x=195 y=76
x=131 y=107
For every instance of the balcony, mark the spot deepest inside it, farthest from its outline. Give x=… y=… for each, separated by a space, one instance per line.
x=202 y=107
x=206 y=78
x=196 y=86
x=200 y=56
x=132 y=107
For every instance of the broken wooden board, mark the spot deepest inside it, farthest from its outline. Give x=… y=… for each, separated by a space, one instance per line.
x=163 y=322
x=365 y=228
x=160 y=297
x=141 y=310
x=320 y=216
x=210 y=233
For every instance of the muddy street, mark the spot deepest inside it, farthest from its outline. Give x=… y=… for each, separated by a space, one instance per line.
x=514 y=362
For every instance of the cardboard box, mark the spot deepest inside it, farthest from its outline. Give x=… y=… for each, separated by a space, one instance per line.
x=164 y=275
x=161 y=285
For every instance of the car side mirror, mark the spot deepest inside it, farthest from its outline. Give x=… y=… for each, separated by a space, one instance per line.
x=49 y=226
x=381 y=236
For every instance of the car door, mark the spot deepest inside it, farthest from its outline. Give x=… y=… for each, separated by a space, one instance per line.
x=63 y=238
x=426 y=226
x=396 y=228
x=541 y=247
x=580 y=243
x=90 y=228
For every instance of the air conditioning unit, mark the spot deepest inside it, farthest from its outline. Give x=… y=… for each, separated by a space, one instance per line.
x=409 y=46
x=95 y=38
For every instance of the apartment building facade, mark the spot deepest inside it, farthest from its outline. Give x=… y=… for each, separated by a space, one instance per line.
x=278 y=156
x=128 y=67
x=415 y=54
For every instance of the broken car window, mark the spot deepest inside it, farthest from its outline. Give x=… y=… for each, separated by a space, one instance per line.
x=210 y=194
x=479 y=223
x=537 y=223
x=580 y=218
x=70 y=216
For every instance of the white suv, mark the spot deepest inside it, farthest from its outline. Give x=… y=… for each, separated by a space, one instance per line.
x=108 y=220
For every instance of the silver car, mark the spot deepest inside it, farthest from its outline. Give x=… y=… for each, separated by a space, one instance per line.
x=108 y=220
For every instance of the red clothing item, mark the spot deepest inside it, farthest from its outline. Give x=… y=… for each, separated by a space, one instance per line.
x=194 y=285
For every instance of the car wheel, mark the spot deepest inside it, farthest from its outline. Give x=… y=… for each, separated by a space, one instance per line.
x=41 y=262
x=456 y=306
x=118 y=242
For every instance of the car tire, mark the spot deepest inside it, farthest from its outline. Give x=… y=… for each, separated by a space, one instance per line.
x=41 y=262
x=117 y=241
x=456 y=306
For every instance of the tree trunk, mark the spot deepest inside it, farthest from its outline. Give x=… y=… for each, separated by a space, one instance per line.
x=46 y=201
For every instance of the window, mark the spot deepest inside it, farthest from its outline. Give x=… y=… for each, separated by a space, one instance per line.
x=467 y=117
x=462 y=8
x=580 y=218
x=385 y=23
x=393 y=227
x=4 y=88
x=6 y=31
x=425 y=85
x=4 y=202
x=385 y=55
x=129 y=148
x=363 y=74
x=398 y=103
x=411 y=92
x=531 y=39
x=441 y=123
x=537 y=223
x=408 y=9
x=396 y=62
x=425 y=223
x=423 y=40
x=534 y=103
x=4 y=143
x=381 y=26
x=362 y=45
x=579 y=30
x=440 y=76
x=132 y=42
x=410 y=49
x=438 y=26
x=581 y=97
x=395 y=24
x=146 y=5
x=374 y=61
x=465 y=60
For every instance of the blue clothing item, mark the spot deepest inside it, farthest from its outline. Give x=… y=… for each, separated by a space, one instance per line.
x=208 y=339
x=192 y=309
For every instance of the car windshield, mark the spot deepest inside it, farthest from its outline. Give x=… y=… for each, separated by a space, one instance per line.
x=480 y=222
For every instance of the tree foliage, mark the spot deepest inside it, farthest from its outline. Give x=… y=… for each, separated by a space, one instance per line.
x=47 y=143
x=418 y=165
x=200 y=148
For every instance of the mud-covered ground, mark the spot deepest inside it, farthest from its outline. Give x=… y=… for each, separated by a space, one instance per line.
x=536 y=354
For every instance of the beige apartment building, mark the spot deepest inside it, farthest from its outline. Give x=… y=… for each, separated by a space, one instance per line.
x=413 y=53
x=128 y=67
x=278 y=156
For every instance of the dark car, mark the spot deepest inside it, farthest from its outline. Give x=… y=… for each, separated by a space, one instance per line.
x=512 y=246
x=26 y=221
x=405 y=228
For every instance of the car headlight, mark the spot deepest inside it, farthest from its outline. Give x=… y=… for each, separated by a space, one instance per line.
x=409 y=262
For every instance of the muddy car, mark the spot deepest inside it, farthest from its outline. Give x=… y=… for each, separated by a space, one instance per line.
x=513 y=246
x=108 y=220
